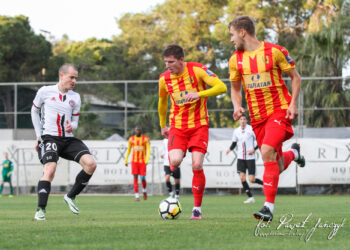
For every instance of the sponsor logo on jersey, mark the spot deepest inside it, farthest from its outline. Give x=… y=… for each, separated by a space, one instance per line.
x=258 y=81
x=183 y=93
x=138 y=148
x=71 y=103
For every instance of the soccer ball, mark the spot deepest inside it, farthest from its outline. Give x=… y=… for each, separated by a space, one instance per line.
x=170 y=209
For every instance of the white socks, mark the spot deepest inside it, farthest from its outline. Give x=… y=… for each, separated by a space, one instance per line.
x=197 y=208
x=296 y=155
x=270 y=206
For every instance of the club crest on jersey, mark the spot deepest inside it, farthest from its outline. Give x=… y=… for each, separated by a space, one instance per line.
x=265 y=59
x=53 y=99
x=191 y=79
x=71 y=103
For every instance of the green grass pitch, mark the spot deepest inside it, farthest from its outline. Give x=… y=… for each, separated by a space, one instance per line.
x=117 y=222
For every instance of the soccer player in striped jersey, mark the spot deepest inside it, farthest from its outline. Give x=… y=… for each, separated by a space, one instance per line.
x=140 y=146
x=59 y=106
x=186 y=84
x=259 y=66
x=244 y=138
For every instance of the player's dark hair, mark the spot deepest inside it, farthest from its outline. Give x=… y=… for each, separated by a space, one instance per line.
x=64 y=68
x=138 y=127
x=243 y=22
x=244 y=115
x=174 y=50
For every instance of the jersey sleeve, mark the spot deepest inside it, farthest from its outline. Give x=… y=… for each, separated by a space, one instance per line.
x=148 y=149
x=128 y=151
x=234 y=136
x=162 y=102
x=76 y=108
x=39 y=98
x=283 y=59
x=233 y=71
x=207 y=76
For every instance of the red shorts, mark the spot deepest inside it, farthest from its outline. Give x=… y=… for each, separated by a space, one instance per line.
x=193 y=139
x=138 y=168
x=274 y=131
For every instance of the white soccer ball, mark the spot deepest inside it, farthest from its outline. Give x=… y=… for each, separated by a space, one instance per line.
x=170 y=209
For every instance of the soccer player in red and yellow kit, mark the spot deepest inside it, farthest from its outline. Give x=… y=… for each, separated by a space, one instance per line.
x=185 y=83
x=259 y=66
x=140 y=156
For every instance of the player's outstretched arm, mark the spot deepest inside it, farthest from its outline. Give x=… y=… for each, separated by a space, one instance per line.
x=148 y=152
x=292 y=111
x=127 y=153
x=236 y=98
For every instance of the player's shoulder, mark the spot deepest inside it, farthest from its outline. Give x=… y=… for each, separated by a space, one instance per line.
x=146 y=137
x=234 y=55
x=47 y=88
x=164 y=75
x=249 y=127
x=74 y=94
x=195 y=65
x=233 y=59
x=276 y=47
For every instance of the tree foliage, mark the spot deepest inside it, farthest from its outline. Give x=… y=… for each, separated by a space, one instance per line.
x=23 y=55
x=316 y=33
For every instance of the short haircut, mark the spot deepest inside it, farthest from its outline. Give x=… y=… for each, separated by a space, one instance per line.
x=138 y=127
x=244 y=115
x=243 y=22
x=64 y=68
x=174 y=50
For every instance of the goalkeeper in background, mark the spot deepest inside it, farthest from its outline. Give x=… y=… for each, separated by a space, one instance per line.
x=7 y=169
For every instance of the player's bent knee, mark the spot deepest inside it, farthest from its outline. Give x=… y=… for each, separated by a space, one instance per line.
x=268 y=154
x=88 y=163
x=197 y=166
x=251 y=179
x=175 y=162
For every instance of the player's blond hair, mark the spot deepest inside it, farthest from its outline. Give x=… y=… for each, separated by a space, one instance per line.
x=243 y=22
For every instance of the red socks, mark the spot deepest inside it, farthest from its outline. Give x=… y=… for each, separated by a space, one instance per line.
x=198 y=185
x=144 y=184
x=136 y=185
x=270 y=179
x=288 y=158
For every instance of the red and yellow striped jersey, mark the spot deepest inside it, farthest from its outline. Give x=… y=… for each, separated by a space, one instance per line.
x=140 y=149
x=194 y=78
x=261 y=75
